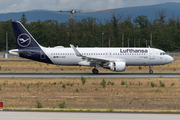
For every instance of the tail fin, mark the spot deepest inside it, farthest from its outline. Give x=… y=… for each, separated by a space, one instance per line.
x=23 y=38
x=27 y=45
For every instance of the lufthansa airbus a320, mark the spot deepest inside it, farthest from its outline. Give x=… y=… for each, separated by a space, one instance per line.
x=115 y=59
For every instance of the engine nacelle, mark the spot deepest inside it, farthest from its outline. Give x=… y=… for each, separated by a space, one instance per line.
x=117 y=66
x=84 y=63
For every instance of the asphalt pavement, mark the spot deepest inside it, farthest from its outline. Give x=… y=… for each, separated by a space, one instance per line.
x=89 y=75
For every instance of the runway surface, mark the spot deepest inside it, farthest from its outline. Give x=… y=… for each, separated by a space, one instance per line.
x=14 y=115
x=91 y=75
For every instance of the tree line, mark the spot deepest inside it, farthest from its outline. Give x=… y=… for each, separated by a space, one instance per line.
x=89 y=32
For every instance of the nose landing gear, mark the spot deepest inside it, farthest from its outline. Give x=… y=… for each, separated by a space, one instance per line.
x=150 y=70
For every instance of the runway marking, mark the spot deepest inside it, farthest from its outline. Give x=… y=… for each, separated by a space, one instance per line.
x=37 y=118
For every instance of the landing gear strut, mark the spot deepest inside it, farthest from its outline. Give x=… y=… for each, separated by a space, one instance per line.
x=95 y=71
x=150 y=69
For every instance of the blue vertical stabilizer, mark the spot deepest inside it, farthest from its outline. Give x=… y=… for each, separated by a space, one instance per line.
x=27 y=45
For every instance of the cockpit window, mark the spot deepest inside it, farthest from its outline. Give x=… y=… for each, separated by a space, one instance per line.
x=162 y=53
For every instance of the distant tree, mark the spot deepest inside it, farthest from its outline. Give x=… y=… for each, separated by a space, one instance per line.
x=115 y=21
x=23 y=19
x=142 y=21
x=88 y=31
x=160 y=17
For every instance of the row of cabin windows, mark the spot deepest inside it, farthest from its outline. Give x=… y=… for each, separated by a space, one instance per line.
x=98 y=54
x=134 y=54
x=62 y=53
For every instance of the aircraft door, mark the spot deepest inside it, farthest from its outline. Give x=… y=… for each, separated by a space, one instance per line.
x=151 y=54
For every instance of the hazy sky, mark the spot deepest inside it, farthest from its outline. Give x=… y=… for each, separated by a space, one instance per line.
x=7 y=6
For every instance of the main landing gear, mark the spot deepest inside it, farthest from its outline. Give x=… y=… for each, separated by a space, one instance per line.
x=95 y=71
x=150 y=69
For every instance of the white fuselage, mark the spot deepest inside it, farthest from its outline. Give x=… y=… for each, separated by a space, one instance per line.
x=131 y=56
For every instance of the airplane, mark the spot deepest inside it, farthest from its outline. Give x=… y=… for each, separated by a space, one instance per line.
x=114 y=59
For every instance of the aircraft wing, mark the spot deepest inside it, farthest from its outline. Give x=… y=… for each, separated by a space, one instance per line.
x=94 y=59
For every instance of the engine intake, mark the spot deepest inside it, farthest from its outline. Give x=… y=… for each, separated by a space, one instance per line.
x=117 y=66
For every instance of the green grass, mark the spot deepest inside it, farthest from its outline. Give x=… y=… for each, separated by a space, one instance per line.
x=39 y=105
x=173 y=84
x=162 y=84
x=83 y=80
x=63 y=86
x=103 y=83
x=123 y=83
x=77 y=90
x=62 y=105
x=153 y=84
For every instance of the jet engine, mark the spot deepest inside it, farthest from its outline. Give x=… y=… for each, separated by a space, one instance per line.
x=117 y=66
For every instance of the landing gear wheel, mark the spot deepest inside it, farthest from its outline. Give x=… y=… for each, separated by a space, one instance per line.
x=150 y=69
x=95 y=71
x=151 y=72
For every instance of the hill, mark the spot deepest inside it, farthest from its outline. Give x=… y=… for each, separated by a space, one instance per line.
x=149 y=11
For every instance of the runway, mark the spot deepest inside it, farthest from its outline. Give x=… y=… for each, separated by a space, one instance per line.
x=89 y=75
x=15 y=115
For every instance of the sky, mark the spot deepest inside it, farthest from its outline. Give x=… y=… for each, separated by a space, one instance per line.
x=7 y=6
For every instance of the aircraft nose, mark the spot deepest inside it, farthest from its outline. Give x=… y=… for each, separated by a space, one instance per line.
x=170 y=59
